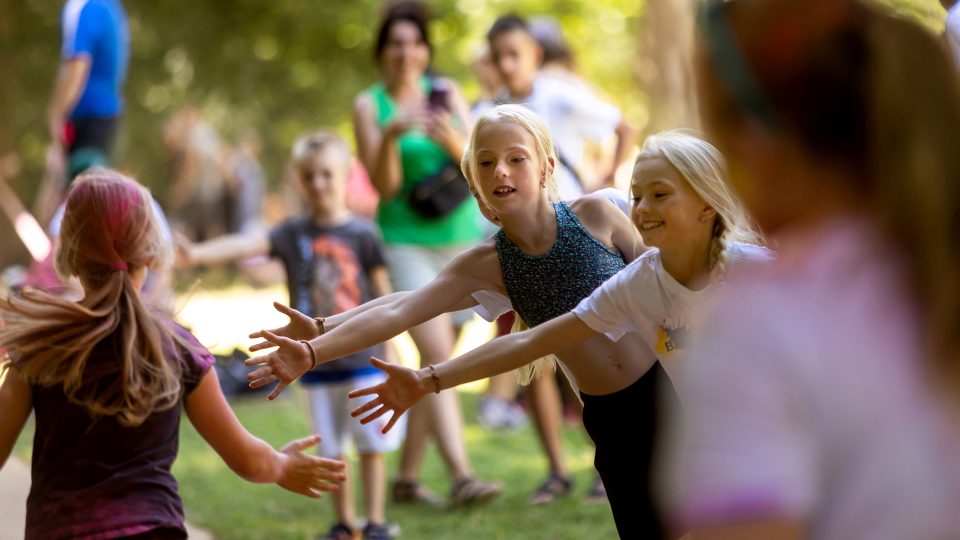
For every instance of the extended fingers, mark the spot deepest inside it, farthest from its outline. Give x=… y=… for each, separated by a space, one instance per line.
x=366 y=407
x=277 y=391
x=261 y=373
x=375 y=414
x=369 y=390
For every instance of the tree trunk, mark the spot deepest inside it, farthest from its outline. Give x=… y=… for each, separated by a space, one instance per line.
x=665 y=64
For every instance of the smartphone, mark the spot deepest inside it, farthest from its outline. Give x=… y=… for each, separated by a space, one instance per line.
x=439 y=98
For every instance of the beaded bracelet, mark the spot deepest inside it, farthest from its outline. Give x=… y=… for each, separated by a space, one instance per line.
x=436 y=379
x=313 y=352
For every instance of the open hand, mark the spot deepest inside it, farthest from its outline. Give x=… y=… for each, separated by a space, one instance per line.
x=291 y=360
x=402 y=390
x=300 y=327
x=309 y=475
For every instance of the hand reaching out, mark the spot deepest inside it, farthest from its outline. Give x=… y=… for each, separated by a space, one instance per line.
x=402 y=390
x=291 y=360
x=309 y=475
x=300 y=327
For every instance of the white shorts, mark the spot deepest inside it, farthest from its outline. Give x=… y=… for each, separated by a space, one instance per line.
x=330 y=410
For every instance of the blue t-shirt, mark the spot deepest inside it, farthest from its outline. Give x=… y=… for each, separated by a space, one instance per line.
x=329 y=272
x=98 y=29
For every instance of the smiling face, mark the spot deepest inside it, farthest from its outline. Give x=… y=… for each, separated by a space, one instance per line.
x=510 y=173
x=405 y=54
x=666 y=210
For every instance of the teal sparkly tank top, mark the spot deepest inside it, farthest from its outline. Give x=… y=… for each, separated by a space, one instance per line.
x=542 y=287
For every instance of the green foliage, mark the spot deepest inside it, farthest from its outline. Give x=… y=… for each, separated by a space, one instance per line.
x=283 y=67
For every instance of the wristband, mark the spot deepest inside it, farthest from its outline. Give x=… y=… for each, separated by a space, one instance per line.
x=313 y=353
x=320 y=326
x=435 y=378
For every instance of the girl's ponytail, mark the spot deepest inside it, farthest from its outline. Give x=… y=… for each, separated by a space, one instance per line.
x=108 y=232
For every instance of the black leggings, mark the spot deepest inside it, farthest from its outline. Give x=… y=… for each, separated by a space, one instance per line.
x=624 y=425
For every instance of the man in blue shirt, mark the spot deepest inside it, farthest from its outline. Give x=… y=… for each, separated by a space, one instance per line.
x=87 y=101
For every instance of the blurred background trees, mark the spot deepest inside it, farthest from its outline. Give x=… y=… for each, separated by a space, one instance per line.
x=286 y=66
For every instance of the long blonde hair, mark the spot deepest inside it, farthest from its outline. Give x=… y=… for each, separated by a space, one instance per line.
x=108 y=231
x=537 y=128
x=528 y=120
x=873 y=95
x=704 y=169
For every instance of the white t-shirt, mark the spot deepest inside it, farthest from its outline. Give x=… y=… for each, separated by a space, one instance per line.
x=806 y=399
x=572 y=113
x=952 y=31
x=645 y=299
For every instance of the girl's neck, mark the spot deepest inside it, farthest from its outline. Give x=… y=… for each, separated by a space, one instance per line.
x=534 y=232
x=690 y=267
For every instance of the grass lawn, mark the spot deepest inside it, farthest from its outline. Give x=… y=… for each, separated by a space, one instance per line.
x=231 y=509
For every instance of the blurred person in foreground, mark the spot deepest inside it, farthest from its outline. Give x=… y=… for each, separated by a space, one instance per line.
x=823 y=395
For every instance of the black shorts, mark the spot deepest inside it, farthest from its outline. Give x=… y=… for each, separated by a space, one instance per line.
x=624 y=427
x=98 y=133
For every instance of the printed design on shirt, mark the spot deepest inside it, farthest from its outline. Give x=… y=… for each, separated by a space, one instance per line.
x=671 y=338
x=335 y=284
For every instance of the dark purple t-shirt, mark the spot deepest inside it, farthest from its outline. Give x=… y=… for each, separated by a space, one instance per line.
x=94 y=478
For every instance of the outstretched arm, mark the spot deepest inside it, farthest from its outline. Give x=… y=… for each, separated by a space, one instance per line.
x=404 y=387
x=467 y=273
x=221 y=250
x=253 y=459
x=302 y=326
x=15 y=406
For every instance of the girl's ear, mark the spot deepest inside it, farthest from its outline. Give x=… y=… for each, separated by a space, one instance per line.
x=707 y=213
x=550 y=165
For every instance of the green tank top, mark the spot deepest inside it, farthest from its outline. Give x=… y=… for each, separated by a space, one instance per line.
x=420 y=157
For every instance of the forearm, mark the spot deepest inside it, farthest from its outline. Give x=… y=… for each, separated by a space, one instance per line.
x=66 y=92
x=229 y=248
x=498 y=356
x=512 y=351
x=333 y=321
x=387 y=177
x=262 y=464
x=374 y=326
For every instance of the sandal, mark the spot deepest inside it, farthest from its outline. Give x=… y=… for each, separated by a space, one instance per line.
x=555 y=486
x=341 y=531
x=413 y=492
x=469 y=492
x=597 y=493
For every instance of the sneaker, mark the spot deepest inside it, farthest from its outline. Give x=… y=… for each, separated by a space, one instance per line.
x=496 y=413
x=412 y=492
x=341 y=531
x=472 y=492
x=377 y=531
x=516 y=417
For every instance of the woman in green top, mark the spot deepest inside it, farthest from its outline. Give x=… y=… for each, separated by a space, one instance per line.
x=406 y=131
